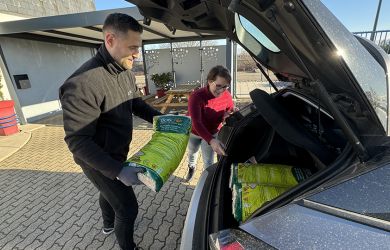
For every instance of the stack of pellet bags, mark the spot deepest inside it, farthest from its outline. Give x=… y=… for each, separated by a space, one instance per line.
x=163 y=153
x=254 y=184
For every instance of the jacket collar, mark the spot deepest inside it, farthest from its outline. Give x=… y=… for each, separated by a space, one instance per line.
x=109 y=63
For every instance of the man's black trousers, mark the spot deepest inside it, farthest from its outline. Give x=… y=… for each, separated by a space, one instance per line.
x=118 y=204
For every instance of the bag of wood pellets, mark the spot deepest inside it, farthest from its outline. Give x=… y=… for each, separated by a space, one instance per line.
x=254 y=184
x=163 y=153
x=247 y=198
x=268 y=174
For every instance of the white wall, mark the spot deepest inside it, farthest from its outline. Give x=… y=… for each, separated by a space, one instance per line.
x=47 y=65
x=187 y=63
x=5 y=17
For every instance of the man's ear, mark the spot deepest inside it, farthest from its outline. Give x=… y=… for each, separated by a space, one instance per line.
x=109 y=38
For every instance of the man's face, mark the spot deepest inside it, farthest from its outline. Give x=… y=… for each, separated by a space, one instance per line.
x=124 y=47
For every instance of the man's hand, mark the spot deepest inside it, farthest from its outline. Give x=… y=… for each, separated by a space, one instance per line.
x=128 y=176
x=218 y=147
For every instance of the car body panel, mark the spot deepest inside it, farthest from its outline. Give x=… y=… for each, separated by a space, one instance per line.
x=367 y=194
x=297 y=227
x=196 y=223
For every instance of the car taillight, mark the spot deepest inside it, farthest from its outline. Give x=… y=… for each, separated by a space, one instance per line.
x=233 y=239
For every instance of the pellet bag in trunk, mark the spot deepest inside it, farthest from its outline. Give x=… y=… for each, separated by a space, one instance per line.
x=163 y=153
x=247 y=198
x=255 y=184
x=268 y=174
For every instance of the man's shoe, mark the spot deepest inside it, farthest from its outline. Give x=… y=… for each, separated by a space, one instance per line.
x=190 y=174
x=107 y=230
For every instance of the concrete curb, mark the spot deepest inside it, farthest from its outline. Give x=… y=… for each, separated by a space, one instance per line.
x=11 y=144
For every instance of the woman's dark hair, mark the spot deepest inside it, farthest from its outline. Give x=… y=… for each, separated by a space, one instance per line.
x=119 y=22
x=220 y=71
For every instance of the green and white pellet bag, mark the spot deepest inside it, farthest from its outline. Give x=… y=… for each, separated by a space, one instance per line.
x=254 y=184
x=247 y=198
x=163 y=153
x=268 y=174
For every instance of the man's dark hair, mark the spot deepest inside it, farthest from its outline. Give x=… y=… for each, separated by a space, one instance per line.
x=220 y=71
x=122 y=23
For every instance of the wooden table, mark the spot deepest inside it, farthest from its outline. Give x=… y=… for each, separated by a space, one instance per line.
x=183 y=90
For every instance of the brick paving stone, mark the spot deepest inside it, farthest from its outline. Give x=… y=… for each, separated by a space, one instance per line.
x=188 y=194
x=56 y=246
x=70 y=244
x=171 y=241
x=171 y=214
x=7 y=228
x=151 y=212
x=49 y=242
x=48 y=231
x=163 y=231
x=32 y=235
x=67 y=235
x=178 y=224
x=86 y=227
x=67 y=224
x=157 y=220
x=67 y=215
x=86 y=217
x=177 y=199
x=109 y=243
x=159 y=197
x=148 y=238
x=16 y=215
x=32 y=227
x=12 y=243
x=142 y=227
x=50 y=213
x=83 y=208
x=183 y=207
x=164 y=205
x=35 y=245
x=88 y=239
x=94 y=245
x=182 y=189
x=157 y=245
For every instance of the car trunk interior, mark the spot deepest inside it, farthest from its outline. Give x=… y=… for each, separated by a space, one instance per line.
x=293 y=133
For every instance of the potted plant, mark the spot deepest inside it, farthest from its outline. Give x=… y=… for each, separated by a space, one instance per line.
x=163 y=82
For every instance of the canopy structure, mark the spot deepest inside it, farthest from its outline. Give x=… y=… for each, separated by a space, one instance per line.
x=85 y=29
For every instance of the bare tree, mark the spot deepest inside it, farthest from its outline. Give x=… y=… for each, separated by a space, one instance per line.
x=245 y=62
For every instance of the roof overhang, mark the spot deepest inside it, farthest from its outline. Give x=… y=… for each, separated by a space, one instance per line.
x=85 y=29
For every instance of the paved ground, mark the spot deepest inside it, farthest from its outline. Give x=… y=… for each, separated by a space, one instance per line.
x=47 y=203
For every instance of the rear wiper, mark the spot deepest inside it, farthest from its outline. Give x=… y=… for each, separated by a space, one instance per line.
x=323 y=95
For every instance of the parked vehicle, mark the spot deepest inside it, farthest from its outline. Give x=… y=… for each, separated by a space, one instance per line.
x=331 y=117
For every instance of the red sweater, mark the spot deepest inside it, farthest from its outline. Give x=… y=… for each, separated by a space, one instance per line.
x=207 y=111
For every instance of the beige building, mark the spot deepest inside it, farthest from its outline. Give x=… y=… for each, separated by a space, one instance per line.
x=11 y=10
x=18 y=9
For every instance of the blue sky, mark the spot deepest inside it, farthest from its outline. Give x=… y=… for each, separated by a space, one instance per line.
x=356 y=15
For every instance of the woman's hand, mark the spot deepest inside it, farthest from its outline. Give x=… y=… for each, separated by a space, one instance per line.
x=218 y=147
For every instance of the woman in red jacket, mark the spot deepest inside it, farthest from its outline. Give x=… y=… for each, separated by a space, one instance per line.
x=208 y=107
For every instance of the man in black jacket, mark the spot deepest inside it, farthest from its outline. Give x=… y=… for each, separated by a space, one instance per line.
x=98 y=101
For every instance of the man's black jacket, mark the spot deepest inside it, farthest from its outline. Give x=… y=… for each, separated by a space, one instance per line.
x=97 y=102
